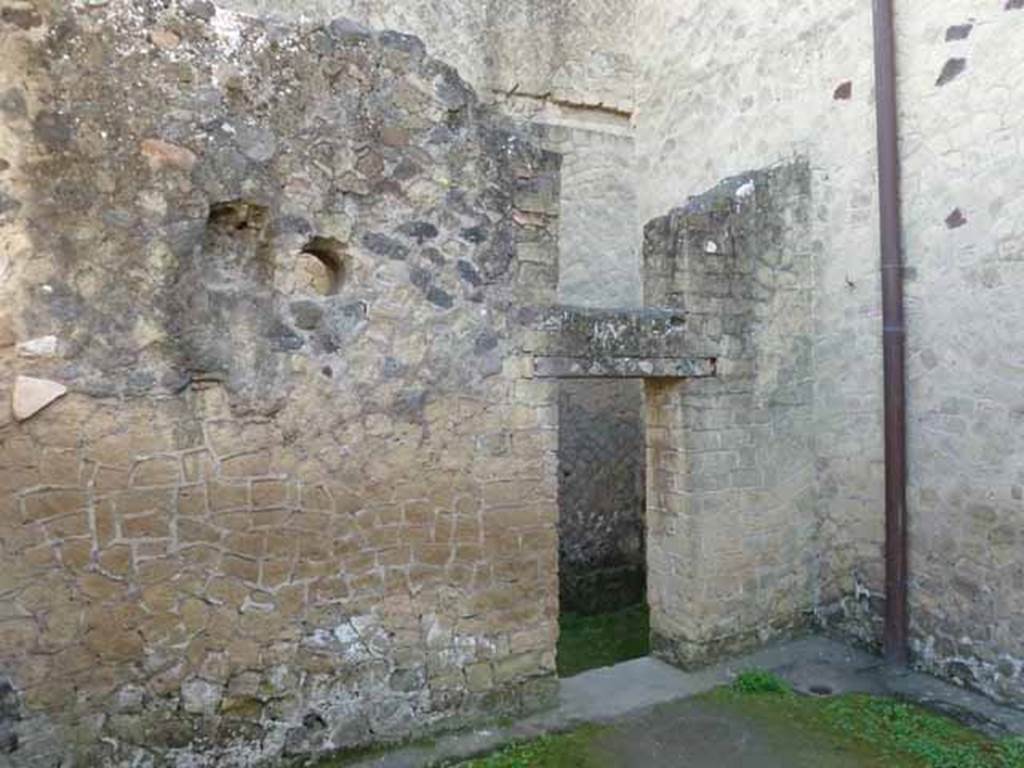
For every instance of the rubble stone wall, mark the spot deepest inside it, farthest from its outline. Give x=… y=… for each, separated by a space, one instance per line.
x=275 y=476
x=568 y=67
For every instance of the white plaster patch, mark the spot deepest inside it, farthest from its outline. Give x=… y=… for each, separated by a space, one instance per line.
x=200 y=697
x=320 y=638
x=44 y=346
x=227 y=25
x=346 y=634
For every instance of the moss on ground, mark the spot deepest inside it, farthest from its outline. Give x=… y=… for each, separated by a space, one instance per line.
x=567 y=750
x=880 y=732
x=589 y=642
x=898 y=733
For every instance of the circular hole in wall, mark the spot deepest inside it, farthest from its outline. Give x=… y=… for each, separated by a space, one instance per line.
x=821 y=690
x=321 y=267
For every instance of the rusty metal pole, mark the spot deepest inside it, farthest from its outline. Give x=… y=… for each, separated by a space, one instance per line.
x=893 y=339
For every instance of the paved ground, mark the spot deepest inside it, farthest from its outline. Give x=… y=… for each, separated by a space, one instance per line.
x=655 y=724
x=690 y=734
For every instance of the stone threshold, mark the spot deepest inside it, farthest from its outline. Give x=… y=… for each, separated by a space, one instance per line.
x=811 y=664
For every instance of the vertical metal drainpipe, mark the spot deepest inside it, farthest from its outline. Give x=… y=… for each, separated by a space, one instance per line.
x=896 y=617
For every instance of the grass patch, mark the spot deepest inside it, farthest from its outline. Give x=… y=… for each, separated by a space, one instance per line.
x=872 y=731
x=568 y=750
x=759 y=681
x=892 y=732
x=936 y=741
x=852 y=729
x=589 y=642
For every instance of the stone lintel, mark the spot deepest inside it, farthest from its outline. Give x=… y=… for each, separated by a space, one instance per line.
x=623 y=368
x=583 y=343
x=566 y=331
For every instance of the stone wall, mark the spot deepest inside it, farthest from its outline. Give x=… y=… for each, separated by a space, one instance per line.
x=578 y=53
x=731 y=527
x=728 y=87
x=300 y=494
x=963 y=167
x=599 y=261
x=568 y=67
x=765 y=83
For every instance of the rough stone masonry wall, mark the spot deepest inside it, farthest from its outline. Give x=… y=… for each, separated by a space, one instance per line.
x=570 y=68
x=571 y=53
x=752 y=85
x=299 y=496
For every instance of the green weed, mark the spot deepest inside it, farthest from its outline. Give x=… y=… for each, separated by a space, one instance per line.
x=936 y=741
x=759 y=681
x=569 y=750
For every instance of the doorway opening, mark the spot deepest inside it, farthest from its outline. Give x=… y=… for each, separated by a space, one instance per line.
x=601 y=523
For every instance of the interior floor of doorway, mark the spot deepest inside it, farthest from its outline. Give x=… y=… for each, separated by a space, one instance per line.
x=603 y=639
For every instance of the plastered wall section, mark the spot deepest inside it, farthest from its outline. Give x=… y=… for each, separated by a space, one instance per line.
x=960 y=85
x=727 y=88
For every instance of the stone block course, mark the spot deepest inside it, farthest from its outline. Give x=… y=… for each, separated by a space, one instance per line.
x=724 y=529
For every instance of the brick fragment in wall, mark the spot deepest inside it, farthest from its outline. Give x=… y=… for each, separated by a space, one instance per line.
x=956 y=219
x=958 y=32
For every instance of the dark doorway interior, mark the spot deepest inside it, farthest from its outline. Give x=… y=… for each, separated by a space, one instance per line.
x=602 y=487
